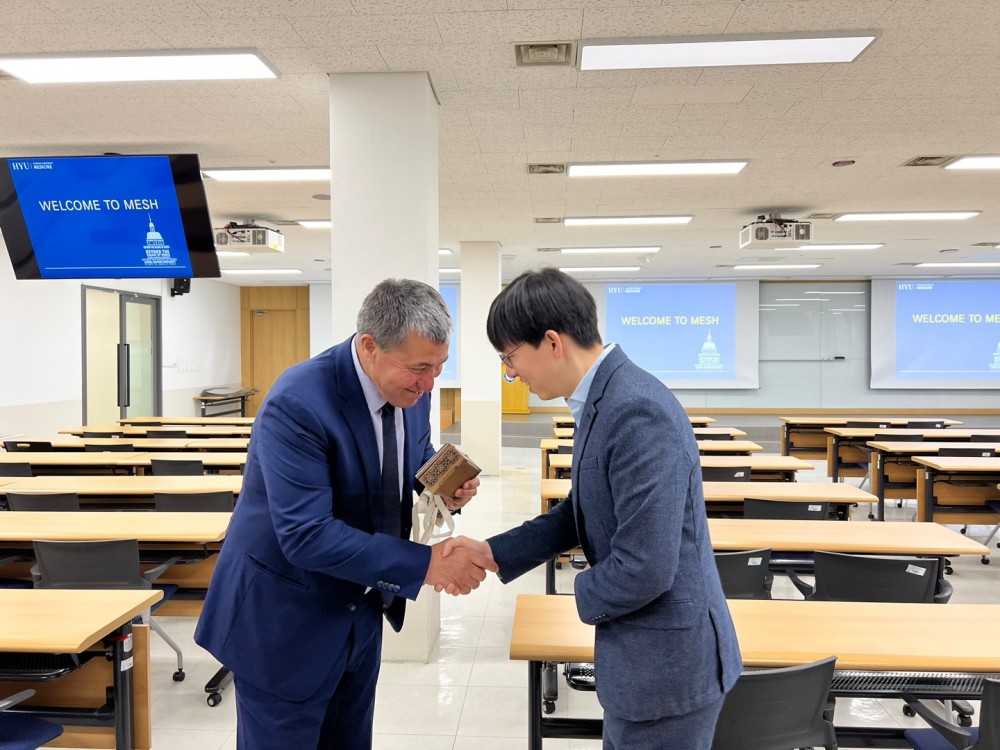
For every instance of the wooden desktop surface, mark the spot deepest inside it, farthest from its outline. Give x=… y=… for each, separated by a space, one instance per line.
x=125 y=485
x=842 y=421
x=566 y=433
x=558 y=489
x=215 y=459
x=219 y=444
x=960 y=463
x=947 y=434
x=886 y=538
x=708 y=446
x=63 y=621
x=72 y=459
x=204 y=421
x=196 y=528
x=569 y=421
x=65 y=443
x=925 y=637
x=563 y=461
x=912 y=447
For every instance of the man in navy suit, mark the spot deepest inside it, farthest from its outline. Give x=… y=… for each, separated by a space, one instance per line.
x=317 y=551
x=665 y=648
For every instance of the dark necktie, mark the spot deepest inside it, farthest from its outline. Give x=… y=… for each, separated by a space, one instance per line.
x=390 y=472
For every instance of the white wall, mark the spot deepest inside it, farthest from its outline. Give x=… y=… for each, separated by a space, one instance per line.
x=320 y=318
x=40 y=339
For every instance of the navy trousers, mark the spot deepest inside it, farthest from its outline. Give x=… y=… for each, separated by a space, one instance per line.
x=693 y=731
x=339 y=717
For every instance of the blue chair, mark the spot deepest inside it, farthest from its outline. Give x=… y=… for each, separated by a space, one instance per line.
x=23 y=732
x=945 y=736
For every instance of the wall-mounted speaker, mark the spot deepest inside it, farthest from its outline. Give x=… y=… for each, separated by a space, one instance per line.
x=181 y=286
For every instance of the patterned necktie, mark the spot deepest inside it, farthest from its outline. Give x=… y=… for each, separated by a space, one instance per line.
x=390 y=473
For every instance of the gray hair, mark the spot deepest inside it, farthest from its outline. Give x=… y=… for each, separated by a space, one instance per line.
x=396 y=307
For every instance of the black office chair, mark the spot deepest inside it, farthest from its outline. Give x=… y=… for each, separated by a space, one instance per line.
x=925 y=424
x=16 y=470
x=194 y=502
x=984 y=438
x=967 y=452
x=109 y=448
x=898 y=437
x=744 y=574
x=43 y=501
x=945 y=736
x=725 y=473
x=166 y=467
x=870 y=578
x=92 y=434
x=21 y=446
x=778 y=709
x=166 y=434
x=859 y=423
x=713 y=436
x=21 y=731
x=755 y=507
x=564 y=449
x=102 y=564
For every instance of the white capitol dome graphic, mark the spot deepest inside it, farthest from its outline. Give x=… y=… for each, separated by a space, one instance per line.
x=709 y=359
x=995 y=365
x=154 y=240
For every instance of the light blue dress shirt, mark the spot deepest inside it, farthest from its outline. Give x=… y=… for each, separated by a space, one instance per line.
x=579 y=396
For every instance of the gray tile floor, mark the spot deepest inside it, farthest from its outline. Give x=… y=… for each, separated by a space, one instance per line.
x=471 y=696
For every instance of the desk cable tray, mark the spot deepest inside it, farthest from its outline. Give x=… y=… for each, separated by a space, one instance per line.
x=920 y=684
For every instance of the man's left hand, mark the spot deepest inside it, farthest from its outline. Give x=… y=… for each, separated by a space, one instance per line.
x=462 y=495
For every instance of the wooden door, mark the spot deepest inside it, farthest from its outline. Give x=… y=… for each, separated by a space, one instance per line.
x=514 y=396
x=275 y=335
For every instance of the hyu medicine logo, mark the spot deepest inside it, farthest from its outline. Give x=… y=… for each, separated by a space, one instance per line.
x=19 y=166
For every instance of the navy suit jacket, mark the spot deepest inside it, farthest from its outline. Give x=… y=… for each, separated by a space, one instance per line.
x=665 y=643
x=305 y=540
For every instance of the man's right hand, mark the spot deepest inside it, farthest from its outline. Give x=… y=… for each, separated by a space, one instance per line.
x=460 y=570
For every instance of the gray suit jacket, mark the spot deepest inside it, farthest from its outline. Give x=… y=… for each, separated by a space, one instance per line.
x=665 y=643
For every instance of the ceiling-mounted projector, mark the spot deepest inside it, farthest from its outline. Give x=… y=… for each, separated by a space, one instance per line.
x=771 y=231
x=249 y=238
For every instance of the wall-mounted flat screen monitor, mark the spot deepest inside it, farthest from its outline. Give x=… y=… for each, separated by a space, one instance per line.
x=95 y=217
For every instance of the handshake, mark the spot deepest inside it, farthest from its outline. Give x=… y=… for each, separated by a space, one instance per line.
x=459 y=565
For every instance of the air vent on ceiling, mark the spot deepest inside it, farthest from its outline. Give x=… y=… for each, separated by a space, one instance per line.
x=548 y=220
x=822 y=216
x=546 y=169
x=928 y=161
x=548 y=249
x=545 y=53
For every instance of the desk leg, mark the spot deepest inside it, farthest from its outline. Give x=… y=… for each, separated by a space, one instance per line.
x=835 y=458
x=926 y=507
x=243 y=406
x=880 y=460
x=122 y=656
x=550 y=577
x=534 y=705
x=203 y=405
x=786 y=440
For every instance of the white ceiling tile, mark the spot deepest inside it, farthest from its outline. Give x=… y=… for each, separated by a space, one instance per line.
x=750 y=110
x=426 y=6
x=776 y=16
x=263 y=32
x=482 y=98
x=446 y=56
x=674 y=20
x=151 y=11
x=773 y=75
x=238 y=9
x=544 y=98
x=91 y=36
x=511 y=26
x=517 y=78
x=318 y=60
x=613 y=78
x=443 y=80
x=933 y=14
x=416 y=28
x=653 y=95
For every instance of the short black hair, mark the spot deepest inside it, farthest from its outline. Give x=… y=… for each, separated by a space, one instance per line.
x=539 y=301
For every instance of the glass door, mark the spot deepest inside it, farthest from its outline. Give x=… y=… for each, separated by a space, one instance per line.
x=138 y=357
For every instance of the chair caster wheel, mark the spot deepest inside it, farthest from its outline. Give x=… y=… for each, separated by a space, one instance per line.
x=214 y=699
x=548 y=707
x=871 y=516
x=948 y=570
x=964 y=721
x=984 y=560
x=899 y=503
x=907 y=711
x=963 y=530
x=179 y=675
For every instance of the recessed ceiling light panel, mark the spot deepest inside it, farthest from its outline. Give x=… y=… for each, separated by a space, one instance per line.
x=655 y=169
x=292 y=174
x=910 y=216
x=596 y=221
x=975 y=162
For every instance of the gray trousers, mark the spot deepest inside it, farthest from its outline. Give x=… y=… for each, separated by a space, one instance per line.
x=693 y=731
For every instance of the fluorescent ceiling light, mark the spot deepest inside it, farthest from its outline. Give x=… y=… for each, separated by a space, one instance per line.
x=771 y=304
x=599 y=269
x=449 y=270
x=873 y=246
x=975 y=162
x=444 y=251
x=594 y=221
x=958 y=265
x=846 y=309
x=296 y=174
x=783 y=267
x=657 y=168
x=316 y=224
x=910 y=216
x=607 y=250
x=167 y=65
x=802 y=299
x=248 y=271
x=834 y=292
x=710 y=52
x=231 y=254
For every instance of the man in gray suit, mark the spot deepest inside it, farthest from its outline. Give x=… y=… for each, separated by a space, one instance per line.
x=666 y=650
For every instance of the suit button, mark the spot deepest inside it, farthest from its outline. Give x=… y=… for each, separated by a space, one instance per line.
x=381 y=584
x=352 y=607
x=395 y=587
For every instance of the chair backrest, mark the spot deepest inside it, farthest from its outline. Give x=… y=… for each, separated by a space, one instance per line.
x=868 y=424
x=166 y=433
x=167 y=467
x=866 y=578
x=712 y=436
x=92 y=434
x=566 y=449
x=102 y=564
x=743 y=574
x=810 y=510
x=895 y=437
x=725 y=473
x=109 y=448
x=983 y=438
x=188 y=502
x=777 y=709
x=46 y=501
x=16 y=470
x=926 y=424
x=967 y=452
x=989 y=716
x=14 y=446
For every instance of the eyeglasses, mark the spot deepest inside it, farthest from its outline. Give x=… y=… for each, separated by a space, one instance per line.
x=505 y=358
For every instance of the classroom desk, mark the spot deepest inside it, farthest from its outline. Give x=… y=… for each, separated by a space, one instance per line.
x=219 y=444
x=125 y=487
x=566 y=433
x=806 y=436
x=941 y=498
x=567 y=420
x=37 y=621
x=63 y=461
x=193 y=431
x=844 y=445
x=139 y=443
x=762 y=468
x=179 y=421
x=896 y=473
x=162 y=527
x=205 y=401
x=210 y=459
x=548 y=629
